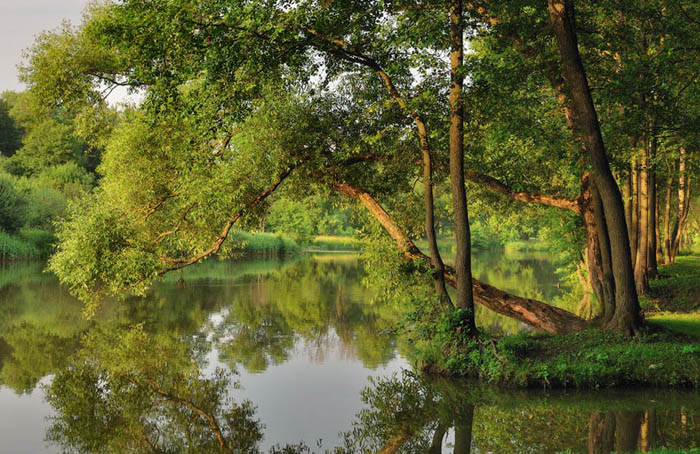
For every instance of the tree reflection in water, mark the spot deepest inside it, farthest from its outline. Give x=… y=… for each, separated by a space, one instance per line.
x=129 y=391
x=406 y=414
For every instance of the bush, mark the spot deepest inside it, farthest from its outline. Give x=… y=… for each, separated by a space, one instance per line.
x=12 y=205
x=44 y=206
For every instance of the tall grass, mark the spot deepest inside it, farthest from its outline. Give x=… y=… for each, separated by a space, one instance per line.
x=263 y=243
x=27 y=244
x=335 y=243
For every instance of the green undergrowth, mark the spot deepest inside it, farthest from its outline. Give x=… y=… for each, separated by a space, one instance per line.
x=26 y=244
x=589 y=359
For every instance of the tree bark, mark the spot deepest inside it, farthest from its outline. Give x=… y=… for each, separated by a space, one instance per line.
x=465 y=296
x=652 y=270
x=627 y=318
x=429 y=204
x=608 y=282
x=680 y=220
x=641 y=267
x=538 y=315
x=657 y=233
x=634 y=233
x=629 y=204
x=668 y=242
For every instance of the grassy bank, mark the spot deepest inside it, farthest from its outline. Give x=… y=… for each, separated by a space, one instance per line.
x=589 y=359
x=666 y=353
x=278 y=244
x=526 y=246
x=335 y=243
x=27 y=244
x=268 y=244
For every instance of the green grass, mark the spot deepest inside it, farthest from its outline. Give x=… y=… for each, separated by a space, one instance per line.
x=595 y=359
x=335 y=243
x=263 y=243
x=688 y=323
x=678 y=290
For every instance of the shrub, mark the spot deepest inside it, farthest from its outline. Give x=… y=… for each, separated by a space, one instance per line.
x=44 y=206
x=12 y=205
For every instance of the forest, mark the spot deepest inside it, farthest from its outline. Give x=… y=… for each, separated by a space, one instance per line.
x=501 y=194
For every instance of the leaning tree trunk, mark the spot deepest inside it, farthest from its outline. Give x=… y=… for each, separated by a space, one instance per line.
x=429 y=205
x=641 y=266
x=538 y=315
x=627 y=318
x=465 y=297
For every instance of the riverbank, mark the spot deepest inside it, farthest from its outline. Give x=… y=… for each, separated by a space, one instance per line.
x=666 y=353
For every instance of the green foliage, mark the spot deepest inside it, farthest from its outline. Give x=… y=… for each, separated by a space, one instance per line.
x=10 y=131
x=12 y=205
x=308 y=217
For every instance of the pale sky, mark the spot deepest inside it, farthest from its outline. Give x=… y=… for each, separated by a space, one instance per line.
x=20 y=22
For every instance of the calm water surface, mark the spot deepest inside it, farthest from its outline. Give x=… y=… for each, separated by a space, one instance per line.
x=304 y=336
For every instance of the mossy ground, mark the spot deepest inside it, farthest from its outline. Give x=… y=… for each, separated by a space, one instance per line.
x=666 y=353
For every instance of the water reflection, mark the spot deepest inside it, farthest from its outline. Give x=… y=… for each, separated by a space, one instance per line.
x=158 y=388
x=406 y=414
x=129 y=391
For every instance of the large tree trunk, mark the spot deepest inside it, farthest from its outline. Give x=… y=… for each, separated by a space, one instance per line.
x=641 y=264
x=627 y=318
x=538 y=315
x=608 y=281
x=465 y=297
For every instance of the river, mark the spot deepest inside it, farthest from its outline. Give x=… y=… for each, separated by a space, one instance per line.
x=299 y=339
